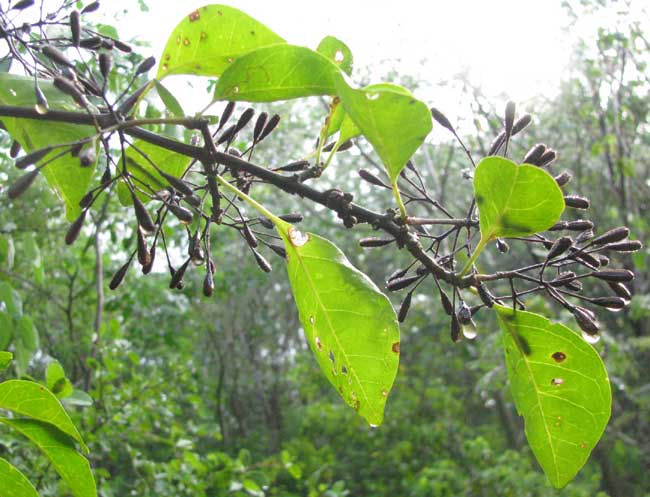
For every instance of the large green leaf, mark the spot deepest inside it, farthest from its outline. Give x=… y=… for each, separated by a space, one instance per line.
x=278 y=72
x=59 y=448
x=515 y=200
x=13 y=483
x=64 y=174
x=31 y=399
x=338 y=52
x=390 y=118
x=350 y=325
x=139 y=167
x=560 y=387
x=207 y=40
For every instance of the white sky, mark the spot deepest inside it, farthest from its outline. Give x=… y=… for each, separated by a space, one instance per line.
x=512 y=48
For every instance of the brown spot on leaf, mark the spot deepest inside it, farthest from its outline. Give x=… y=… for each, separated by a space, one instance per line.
x=384 y=393
x=583 y=445
x=195 y=16
x=203 y=35
x=186 y=41
x=178 y=40
x=219 y=13
x=252 y=32
x=318 y=343
x=395 y=347
x=167 y=56
x=165 y=67
x=558 y=356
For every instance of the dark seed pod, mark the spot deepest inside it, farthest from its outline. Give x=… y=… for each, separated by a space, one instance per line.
x=348 y=144
x=611 y=303
x=262 y=262
x=75 y=27
x=574 y=285
x=270 y=126
x=41 y=106
x=562 y=279
x=142 y=215
x=122 y=47
x=628 y=246
x=281 y=251
x=259 y=125
x=396 y=274
x=56 y=55
x=105 y=64
x=127 y=104
x=329 y=147
x=23 y=4
x=509 y=118
x=404 y=307
x=106 y=177
x=177 y=183
x=143 y=250
x=580 y=225
x=184 y=215
x=563 y=178
x=21 y=184
x=146 y=269
x=560 y=246
x=455 y=329
x=91 y=43
x=603 y=259
x=560 y=225
x=250 y=237
x=401 y=283
x=521 y=124
x=585 y=259
x=421 y=269
x=75 y=228
x=533 y=155
x=193 y=200
x=486 y=297
x=464 y=314
x=586 y=320
x=196 y=253
x=612 y=236
x=621 y=290
x=371 y=242
x=177 y=275
x=225 y=115
x=502 y=246
x=87 y=155
x=614 y=275
x=446 y=303
x=294 y=166
x=91 y=7
x=497 y=143
x=87 y=200
x=585 y=236
x=32 y=157
x=576 y=202
x=441 y=119
x=244 y=119
x=208 y=283
x=66 y=86
x=145 y=65
x=547 y=157
x=15 y=149
x=268 y=224
x=118 y=277
x=371 y=178
x=292 y=217
x=228 y=135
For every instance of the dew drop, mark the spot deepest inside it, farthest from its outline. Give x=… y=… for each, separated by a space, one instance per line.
x=591 y=338
x=339 y=56
x=469 y=331
x=559 y=356
x=556 y=382
x=372 y=96
x=41 y=109
x=297 y=238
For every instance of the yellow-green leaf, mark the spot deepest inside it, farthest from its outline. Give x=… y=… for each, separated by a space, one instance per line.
x=13 y=483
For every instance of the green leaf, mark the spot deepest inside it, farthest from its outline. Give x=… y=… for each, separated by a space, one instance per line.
x=139 y=167
x=78 y=398
x=515 y=200
x=170 y=101
x=36 y=401
x=64 y=174
x=5 y=359
x=278 y=72
x=27 y=333
x=350 y=325
x=59 y=448
x=13 y=483
x=390 y=118
x=560 y=387
x=206 y=41
x=11 y=300
x=6 y=329
x=338 y=52
x=56 y=380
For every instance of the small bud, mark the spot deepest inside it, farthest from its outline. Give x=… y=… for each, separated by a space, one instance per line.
x=119 y=275
x=244 y=119
x=397 y=274
x=23 y=4
x=614 y=275
x=612 y=236
x=547 y=157
x=294 y=166
x=445 y=301
x=87 y=155
x=225 y=115
x=250 y=237
x=21 y=184
x=142 y=215
x=533 y=155
x=486 y=297
x=177 y=275
x=292 y=217
x=611 y=303
x=576 y=202
x=560 y=246
x=145 y=65
x=510 y=117
x=105 y=64
x=441 y=119
x=32 y=157
x=263 y=264
x=91 y=7
x=586 y=320
x=603 y=259
x=270 y=126
x=502 y=246
x=562 y=279
x=15 y=149
x=621 y=290
x=563 y=178
x=56 y=55
x=208 y=283
x=496 y=144
x=404 y=308
x=122 y=47
x=521 y=124
x=401 y=283
x=580 y=225
x=371 y=178
x=91 y=43
x=75 y=228
x=66 y=86
x=259 y=125
x=279 y=250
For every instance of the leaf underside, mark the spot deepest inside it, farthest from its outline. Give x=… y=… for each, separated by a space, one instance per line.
x=560 y=386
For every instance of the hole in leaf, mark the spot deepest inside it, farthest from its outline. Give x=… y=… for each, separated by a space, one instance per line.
x=339 y=56
x=558 y=356
x=297 y=238
x=556 y=382
x=318 y=343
